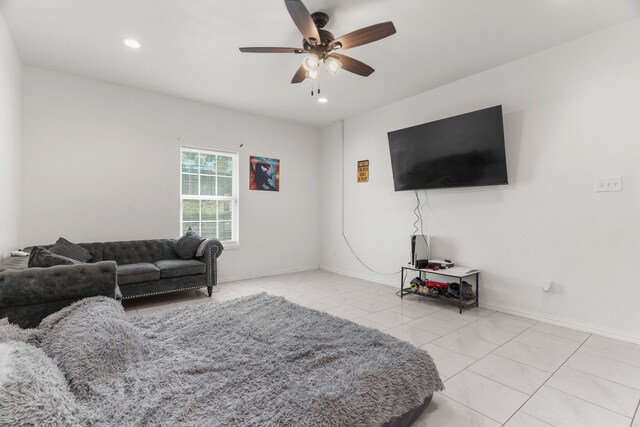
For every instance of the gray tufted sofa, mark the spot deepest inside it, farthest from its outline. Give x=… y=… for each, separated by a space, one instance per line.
x=28 y=295
x=129 y=269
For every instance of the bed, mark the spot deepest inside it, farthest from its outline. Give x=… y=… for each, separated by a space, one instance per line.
x=253 y=361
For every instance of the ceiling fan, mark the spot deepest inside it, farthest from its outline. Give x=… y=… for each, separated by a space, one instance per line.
x=321 y=46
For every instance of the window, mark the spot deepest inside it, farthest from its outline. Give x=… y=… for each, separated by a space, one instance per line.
x=209 y=193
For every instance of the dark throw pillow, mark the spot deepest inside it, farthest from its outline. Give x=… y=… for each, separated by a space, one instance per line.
x=188 y=244
x=40 y=257
x=71 y=250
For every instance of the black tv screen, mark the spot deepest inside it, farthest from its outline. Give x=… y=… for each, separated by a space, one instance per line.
x=461 y=151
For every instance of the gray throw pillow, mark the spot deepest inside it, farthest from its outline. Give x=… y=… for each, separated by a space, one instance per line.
x=188 y=244
x=40 y=257
x=71 y=250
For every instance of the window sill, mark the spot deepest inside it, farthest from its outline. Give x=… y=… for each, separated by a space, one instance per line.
x=230 y=246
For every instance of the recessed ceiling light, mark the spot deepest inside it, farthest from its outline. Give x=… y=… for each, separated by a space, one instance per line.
x=323 y=100
x=133 y=44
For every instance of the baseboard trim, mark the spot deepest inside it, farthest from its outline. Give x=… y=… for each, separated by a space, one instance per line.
x=379 y=281
x=560 y=321
x=529 y=314
x=267 y=274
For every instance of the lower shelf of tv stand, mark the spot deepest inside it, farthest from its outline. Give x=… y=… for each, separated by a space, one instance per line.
x=465 y=303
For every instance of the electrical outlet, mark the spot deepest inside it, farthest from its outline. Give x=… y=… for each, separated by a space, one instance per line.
x=613 y=183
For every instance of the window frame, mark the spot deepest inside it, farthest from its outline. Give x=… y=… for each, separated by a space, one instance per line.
x=234 y=198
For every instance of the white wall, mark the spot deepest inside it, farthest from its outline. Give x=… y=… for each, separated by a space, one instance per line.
x=572 y=113
x=10 y=125
x=101 y=163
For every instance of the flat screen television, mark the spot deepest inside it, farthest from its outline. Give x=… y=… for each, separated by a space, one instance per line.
x=462 y=151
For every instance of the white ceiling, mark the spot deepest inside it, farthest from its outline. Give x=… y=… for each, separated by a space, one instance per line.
x=190 y=47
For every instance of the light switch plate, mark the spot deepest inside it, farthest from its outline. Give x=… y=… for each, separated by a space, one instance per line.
x=613 y=183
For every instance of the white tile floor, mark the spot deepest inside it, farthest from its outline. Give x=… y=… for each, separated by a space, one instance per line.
x=498 y=369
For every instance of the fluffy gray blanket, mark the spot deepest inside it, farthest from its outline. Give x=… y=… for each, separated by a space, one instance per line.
x=253 y=361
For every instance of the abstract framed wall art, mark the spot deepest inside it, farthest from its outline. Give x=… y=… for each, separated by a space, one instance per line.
x=264 y=174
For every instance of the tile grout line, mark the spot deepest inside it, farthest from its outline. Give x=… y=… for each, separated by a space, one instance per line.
x=584 y=400
x=536 y=347
x=599 y=377
x=464 y=369
x=636 y=414
x=491 y=352
x=608 y=358
x=494 y=380
x=603 y=378
x=535 y=418
x=545 y=382
x=468 y=407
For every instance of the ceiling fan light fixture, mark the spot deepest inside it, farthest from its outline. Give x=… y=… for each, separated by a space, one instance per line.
x=311 y=62
x=312 y=74
x=333 y=65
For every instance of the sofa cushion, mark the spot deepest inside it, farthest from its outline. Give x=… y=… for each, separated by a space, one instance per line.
x=40 y=257
x=180 y=267
x=187 y=245
x=136 y=273
x=70 y=250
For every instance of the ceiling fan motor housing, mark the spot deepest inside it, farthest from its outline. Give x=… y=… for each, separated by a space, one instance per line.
x=320 y=19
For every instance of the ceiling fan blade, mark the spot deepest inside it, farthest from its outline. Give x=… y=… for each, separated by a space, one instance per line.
x=299 y=76
x=302 y=18
x=366 y=35
x=353 y=65
x=270 y=50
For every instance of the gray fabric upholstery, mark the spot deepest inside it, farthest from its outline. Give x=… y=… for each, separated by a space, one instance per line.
x=95 y=249
x=187 y=245
x=207 y=244
x=27 y=296
x=136 y=273
x=180 y=267
x=70 y=250
x=138 y=251
x=38 y=292
x=212 y=251
x=168 y=284
x=39 y=257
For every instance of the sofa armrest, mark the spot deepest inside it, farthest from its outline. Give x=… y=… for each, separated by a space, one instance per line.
x=62 y=282
x=213 y=245
x=209 y=252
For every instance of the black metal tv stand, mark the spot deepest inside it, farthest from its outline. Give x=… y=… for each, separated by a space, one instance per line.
x=457 y=272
